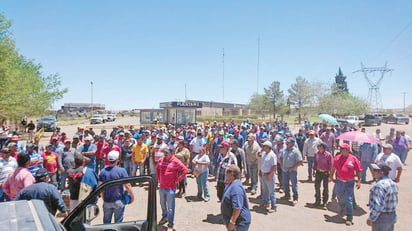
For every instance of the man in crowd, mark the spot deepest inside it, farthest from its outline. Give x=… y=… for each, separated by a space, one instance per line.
x=65 y=161
x=383 y=199
x=392 y=161
x=239 y=154
x=329 y=139
x=20 y=178
x=100 y=157
x=251 y=149
x=367 y=153
x=140 y=152
x=267 y=173
x=44 y=191
x=346 y=166
x=291 y=160
x=7 y=165
x=113 y=196
x=50 y=163
x=170 y=170
x=322 y=165
x=400 y=146
x=225 y=159
x=309 y=150
x=88 y=149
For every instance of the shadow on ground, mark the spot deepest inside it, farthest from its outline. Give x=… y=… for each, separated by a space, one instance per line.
x=193 y=199
x=214 y=219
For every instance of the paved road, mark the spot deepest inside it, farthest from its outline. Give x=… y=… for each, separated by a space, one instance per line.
x=199 y=215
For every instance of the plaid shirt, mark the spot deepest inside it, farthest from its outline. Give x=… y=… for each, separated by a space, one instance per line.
x=223 y=164
x=383 y=197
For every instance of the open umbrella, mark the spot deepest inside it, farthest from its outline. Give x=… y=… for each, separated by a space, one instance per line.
x=328 y=118
x=358 y=136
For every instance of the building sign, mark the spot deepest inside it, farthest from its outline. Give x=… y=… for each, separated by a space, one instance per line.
x=191 y=104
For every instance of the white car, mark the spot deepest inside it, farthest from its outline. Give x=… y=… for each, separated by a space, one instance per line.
x=110 y=117
x=97 y=119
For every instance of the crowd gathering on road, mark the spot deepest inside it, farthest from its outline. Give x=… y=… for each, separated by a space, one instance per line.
x=227 y=152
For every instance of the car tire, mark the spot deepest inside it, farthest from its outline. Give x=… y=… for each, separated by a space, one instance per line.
x=406 y=123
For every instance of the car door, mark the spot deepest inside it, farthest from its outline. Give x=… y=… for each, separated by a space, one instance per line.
x=83 y=216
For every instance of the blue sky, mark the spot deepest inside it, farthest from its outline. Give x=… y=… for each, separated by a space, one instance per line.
x=140 y=53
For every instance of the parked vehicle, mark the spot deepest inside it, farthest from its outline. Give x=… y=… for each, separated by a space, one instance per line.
x=396 y=118
x=371 y=120
x=49 y=123
x=111 y=117
x=410 y=114
x=33 y=215
x=97 y=119
x=350 y=121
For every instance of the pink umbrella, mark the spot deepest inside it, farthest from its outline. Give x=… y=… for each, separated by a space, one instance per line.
x=357 y=136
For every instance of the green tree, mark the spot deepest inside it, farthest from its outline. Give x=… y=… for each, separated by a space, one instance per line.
x=342 y=104
x=301 y=94
x=274 y=96
x=258 y=105
x=26 y=90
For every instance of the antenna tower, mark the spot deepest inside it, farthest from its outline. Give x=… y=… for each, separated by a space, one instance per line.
x=374 y=95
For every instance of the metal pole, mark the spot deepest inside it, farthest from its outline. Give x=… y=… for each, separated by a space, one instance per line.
x=404 y=108
x=91 y=97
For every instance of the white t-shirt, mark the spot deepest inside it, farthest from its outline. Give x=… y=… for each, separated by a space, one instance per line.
x=268 y=161
x=390 y=160
x=196 y=144
x=202 y=159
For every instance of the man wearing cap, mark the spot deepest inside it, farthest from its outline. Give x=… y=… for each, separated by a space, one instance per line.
x=65 y=161
x=20 y=145
x=300 y=138
x=252 y=149
x=240 y=155
x=44 y=191
x=261 y=134
x=309 y=149
x=140 y=152
x=291 y=160
x=170 y=171
x=113 y=196
x=392 y=161
x=329 y=139
x=367 y=153
x=36 y=161
x=7 y=165
x=225 y=159
x=195 y=145
x=215 y=152
x=267 y=173
x=400 y=146
x=76 y=143
x=383 y=199
x=110 y=147
x=100 y=156
x=88 y=149
x=322 y=165
x=157 y=153
x=346 y=166
x=50 y=163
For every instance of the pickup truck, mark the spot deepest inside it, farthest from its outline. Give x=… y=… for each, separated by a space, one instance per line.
x=350 y=121
x=33 y=215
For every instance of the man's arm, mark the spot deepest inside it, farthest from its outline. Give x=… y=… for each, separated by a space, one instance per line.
x=398 y=174
x=183 y=170
x=130 y=191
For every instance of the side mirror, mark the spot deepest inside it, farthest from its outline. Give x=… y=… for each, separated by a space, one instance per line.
x=92 y=211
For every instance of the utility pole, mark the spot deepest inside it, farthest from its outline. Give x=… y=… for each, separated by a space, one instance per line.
x=91 y=96
x=223 y=75
x=257 y=71
x=404 y=95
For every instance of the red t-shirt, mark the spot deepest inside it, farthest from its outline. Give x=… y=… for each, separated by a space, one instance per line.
x=346 y=166
x=99 y=152
x=50 y=161
x=106 y=151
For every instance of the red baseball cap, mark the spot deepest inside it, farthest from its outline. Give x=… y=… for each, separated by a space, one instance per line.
x=224 y=144
x=15 y=137
x=345 y=146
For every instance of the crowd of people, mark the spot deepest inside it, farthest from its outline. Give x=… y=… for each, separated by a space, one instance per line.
x=224 y=151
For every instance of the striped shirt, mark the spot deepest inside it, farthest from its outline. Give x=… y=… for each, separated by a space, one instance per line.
x=383 y=197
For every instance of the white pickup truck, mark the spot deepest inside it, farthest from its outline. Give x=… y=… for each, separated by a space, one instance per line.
x=350 y=121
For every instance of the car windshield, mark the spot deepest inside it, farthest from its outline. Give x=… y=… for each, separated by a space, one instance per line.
x=399 y=115
x=47 y=120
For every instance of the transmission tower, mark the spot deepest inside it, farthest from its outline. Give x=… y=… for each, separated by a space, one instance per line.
x=374 y=95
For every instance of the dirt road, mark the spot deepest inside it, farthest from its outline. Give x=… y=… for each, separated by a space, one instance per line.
x=198 y=215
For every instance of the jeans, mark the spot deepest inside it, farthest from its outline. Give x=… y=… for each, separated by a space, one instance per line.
x=241 y=228
x=344 y=192
x=137 y=165
x=310 y=166
x=128 y=165
x=3 y=196
x=146 y=167
x=252 y=170
x=53 y=178
x=322 y=177
x=202 y=186
x=110 y=208
x=220 y=187
x=401 y=153
x=291 y=176
x=365 y=166
x=385 y=222
x=280 y=174
x=99 y=165
x=167 y=202
x=268 y=190
x=63 y=177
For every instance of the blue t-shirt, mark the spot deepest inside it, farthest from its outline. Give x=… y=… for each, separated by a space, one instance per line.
x=112 y=194
x=88 y=148
x=235 y=197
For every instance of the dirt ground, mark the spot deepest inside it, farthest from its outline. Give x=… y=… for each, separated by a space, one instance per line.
x=199 y=215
